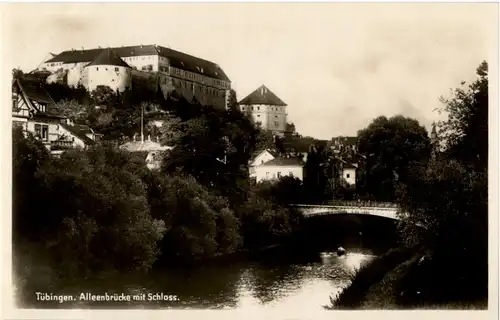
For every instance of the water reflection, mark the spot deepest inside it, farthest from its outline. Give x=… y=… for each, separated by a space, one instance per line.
x=301 y=286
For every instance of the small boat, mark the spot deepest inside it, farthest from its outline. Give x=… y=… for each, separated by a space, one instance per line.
x=340 y=251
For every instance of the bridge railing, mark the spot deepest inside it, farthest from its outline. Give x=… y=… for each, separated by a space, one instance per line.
x=349 y=203
x=361 y=203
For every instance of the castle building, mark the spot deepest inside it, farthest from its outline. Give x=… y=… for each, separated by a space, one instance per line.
x=188 y=76
x=107 y=69
x=266 y=110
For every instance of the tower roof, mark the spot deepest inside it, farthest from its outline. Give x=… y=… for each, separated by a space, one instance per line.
x=262 y=95
x=110 y=58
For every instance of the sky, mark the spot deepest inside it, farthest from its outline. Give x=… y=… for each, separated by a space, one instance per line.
x=336 y=65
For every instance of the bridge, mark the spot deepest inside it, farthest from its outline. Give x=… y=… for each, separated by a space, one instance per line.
x=385 y=210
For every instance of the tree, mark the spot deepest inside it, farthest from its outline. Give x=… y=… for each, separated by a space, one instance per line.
x=318 y=173
x=290 y=128
x=265 y=140
x=232 y=100
x=104 y=95
x=391 y=146
x=17 y=73
x=446 y=205
x=102 y=222
x=465 y=132
x=199 y=225
x=72 y=109
x=214 y=147
x=28 y=156
x=263 y=221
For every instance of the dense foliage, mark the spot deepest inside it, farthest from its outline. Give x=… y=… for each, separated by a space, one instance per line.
x=88 y=208
x=449 y=198
x=101 y=209
x=444 y=204
x=390 y=147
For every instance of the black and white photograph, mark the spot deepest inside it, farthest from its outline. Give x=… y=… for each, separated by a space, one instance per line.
x=285 y=158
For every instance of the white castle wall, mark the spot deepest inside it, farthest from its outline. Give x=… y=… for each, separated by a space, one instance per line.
x=117 y=78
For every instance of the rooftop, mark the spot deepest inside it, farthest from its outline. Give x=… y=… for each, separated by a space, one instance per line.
x=33 y=90
x=79 y=131
x=259 y=152
x=262 y=95
x=108 y=57
x=282 y=161
x=138 y=146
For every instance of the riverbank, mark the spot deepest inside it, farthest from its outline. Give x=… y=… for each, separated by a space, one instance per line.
x=392 y=281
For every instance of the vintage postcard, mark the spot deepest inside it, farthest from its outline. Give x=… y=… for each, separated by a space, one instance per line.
x=279 y=160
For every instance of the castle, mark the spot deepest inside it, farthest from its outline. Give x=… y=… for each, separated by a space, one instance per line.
x=188 y=76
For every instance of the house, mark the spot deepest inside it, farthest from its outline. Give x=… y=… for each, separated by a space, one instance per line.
x=349 y=173
x=173 y=71
x=343 y=145
x=153 y=150
x=266 y=110
x=33 y=111
x=280 y=167
x=260 y=158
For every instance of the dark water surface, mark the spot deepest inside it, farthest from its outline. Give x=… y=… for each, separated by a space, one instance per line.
x=266 y=284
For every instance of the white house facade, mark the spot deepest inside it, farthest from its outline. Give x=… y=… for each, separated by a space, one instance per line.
x=280 y=167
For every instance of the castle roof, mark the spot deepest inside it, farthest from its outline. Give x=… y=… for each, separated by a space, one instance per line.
x=176 y=59
x=262 y=95
x=110 y=58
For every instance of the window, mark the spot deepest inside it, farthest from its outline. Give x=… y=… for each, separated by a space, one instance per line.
x=42 y=107
x=258 y=115
x=97 y=68
x=15 y=105
x=267 y=175
x=45 y=133
x=290 y=174
x=116 y=69
x=38 y=130
x=258 y=108
x=279 y=175
x=348 y=175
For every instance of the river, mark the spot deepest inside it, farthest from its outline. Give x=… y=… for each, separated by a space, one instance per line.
x=305 y=285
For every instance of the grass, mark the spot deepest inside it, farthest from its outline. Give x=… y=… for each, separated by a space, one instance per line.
x=395 y=280
x=352 y=297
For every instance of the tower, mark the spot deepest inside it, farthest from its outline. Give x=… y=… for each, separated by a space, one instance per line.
x=108 y=69
x=266 y=109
